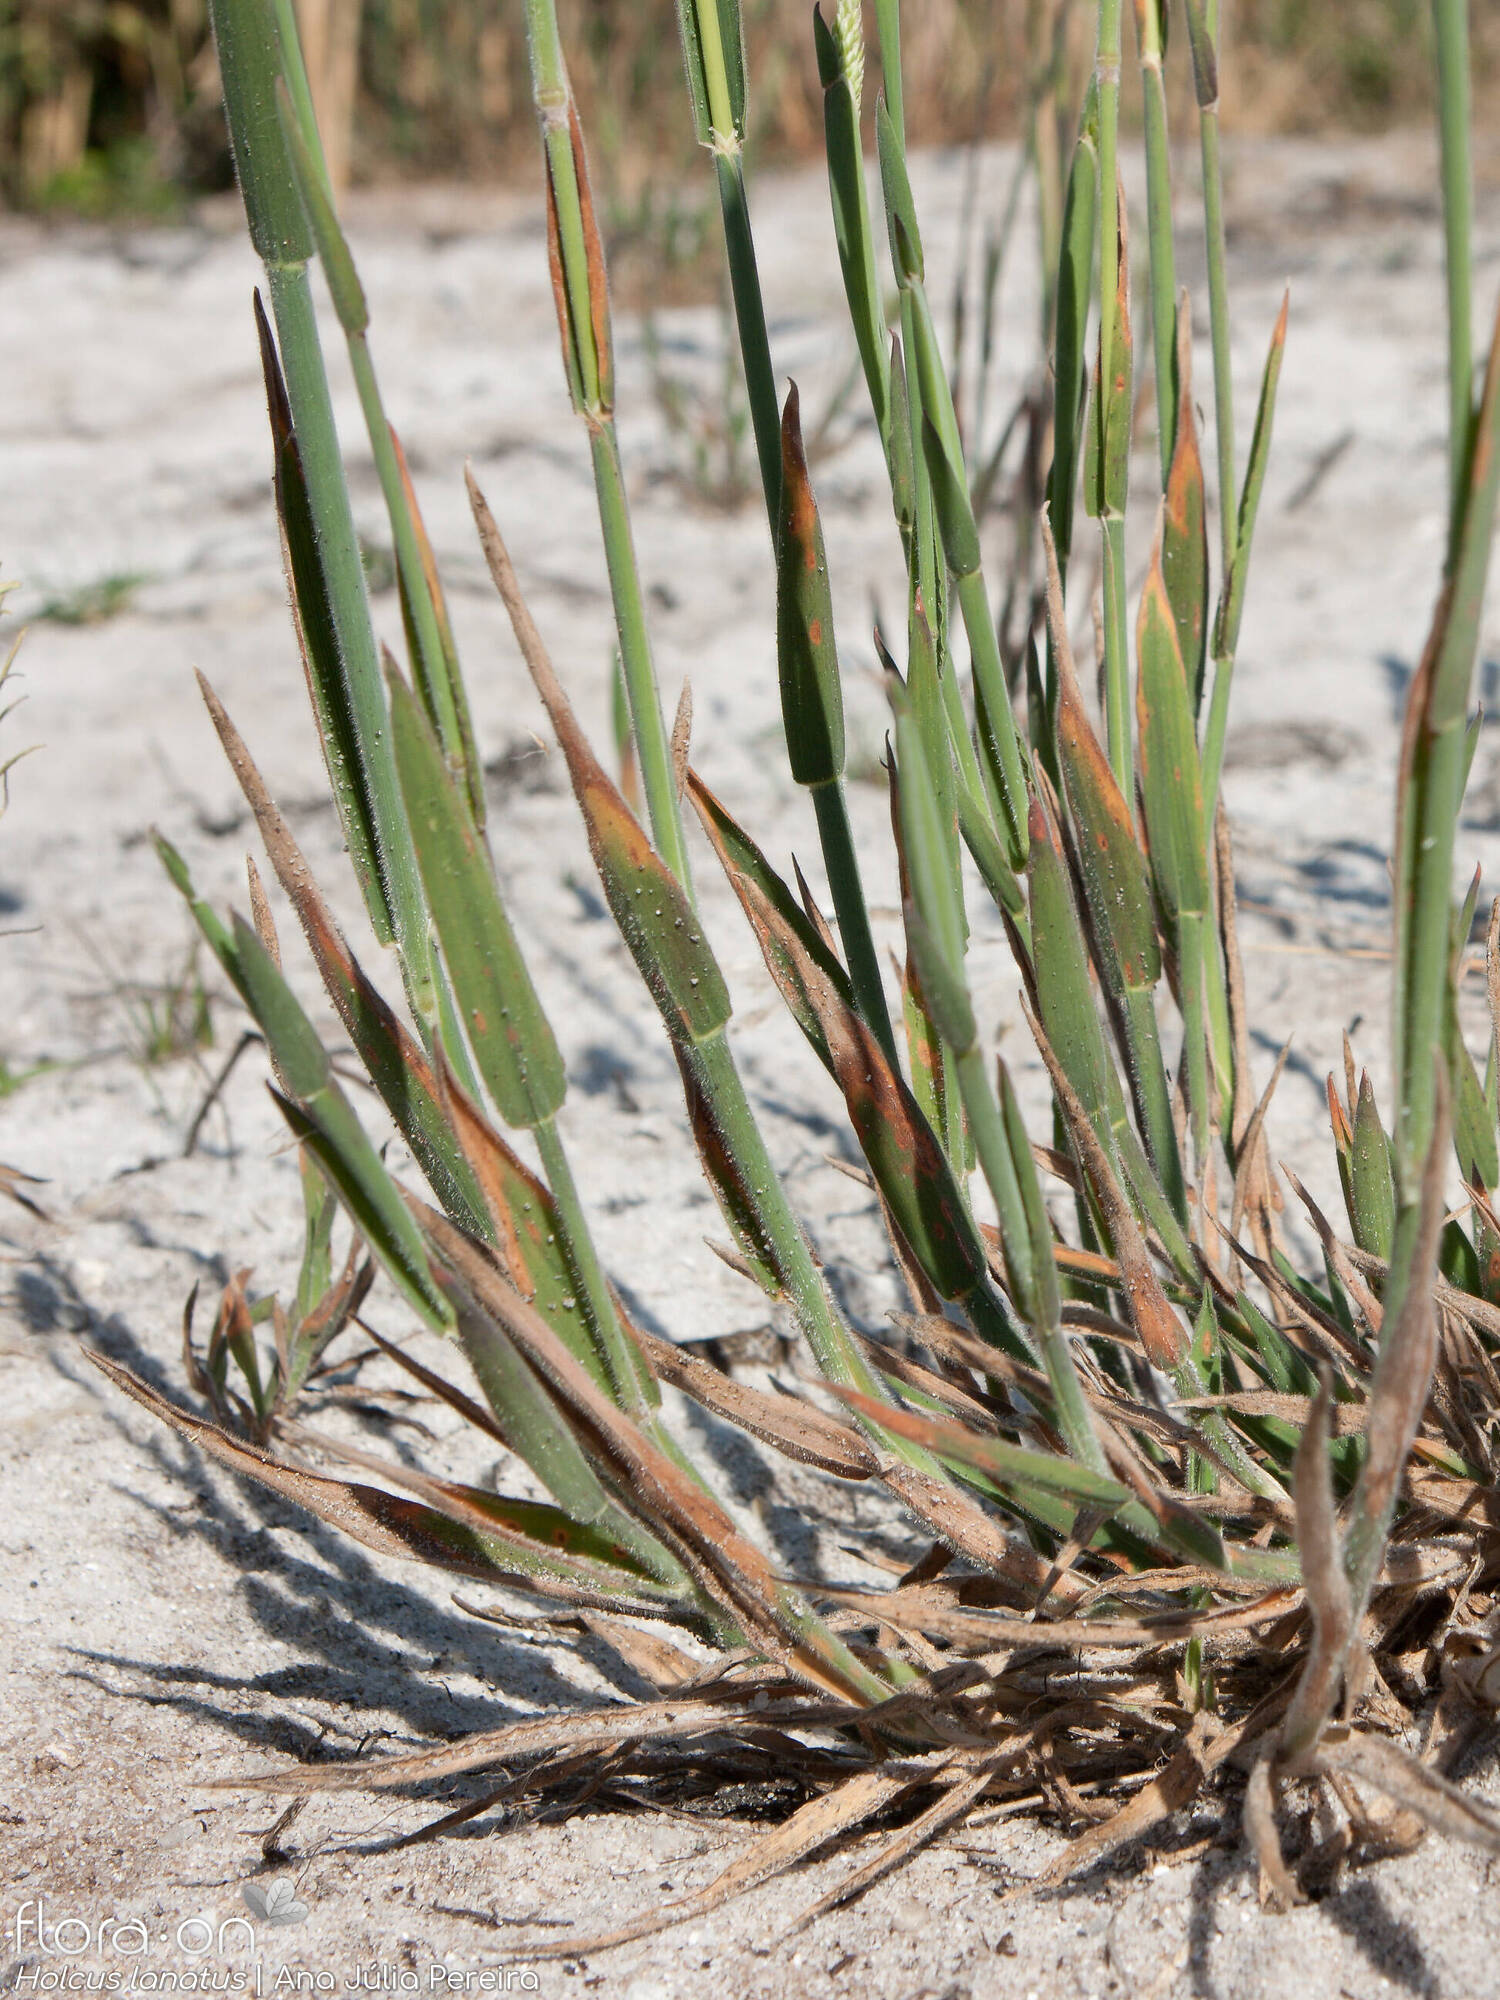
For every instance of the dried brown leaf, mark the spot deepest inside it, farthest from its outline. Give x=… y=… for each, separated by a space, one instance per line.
x=812 y=1826
x=1168 y=1793
x=944 y=1812
x=798 y=1429
x=1320 y=1547
x=1402 y=1778
x=1250 y=1172
x=1278 y=1886
x=579 y=1732
x=1348 y=1275
x=1408 y=1349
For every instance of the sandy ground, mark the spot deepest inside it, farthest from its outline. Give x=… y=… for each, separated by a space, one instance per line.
x=164 y=1626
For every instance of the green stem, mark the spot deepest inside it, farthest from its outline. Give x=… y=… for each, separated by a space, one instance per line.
x=924 y=552
x=785 y=1246
x=642 y=695
x=782 y=1243
x=842 y=864
x=1159 y=224
x=1191 y=945
x=1253 y=1477
x=328 y=498
x=961 y=741
x=750 y=318
x=1216 y=1017
x=1450 y=22
x=1434 y=768
x=984 y=654
x=455 y=1042
x=1429 y=814
x=1112 y=418
x=538 y=1433
x=998 y=1168
x=1035 y=1290
x=1218 y=314
x=1152 y=1092
x=851 y=216
x=1117 y=703
x=589 y=361
x=1107 y=76
x=888 y=33
x=294 y=69
x=617 y=1365
x=715 y=69
x=433 y=657
x=1365 y=1536
x=444 y=701
x=1215 y=730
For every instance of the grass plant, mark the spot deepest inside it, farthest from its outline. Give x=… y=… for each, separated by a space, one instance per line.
x=1145 y=1438
x=92 y=603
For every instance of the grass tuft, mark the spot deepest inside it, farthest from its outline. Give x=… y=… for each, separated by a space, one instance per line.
x=1133 y=1430
x=93 y=603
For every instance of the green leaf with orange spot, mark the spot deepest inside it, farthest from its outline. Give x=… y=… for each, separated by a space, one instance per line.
x=527 y=1233
x=462 y=1528
x=1012 y=1465
x=1184 y=557
x=650 y=909
x=397 y=1065
x=797 y=958
x=1114 y=400
x=655 y=918
x=1115 y=877
x=910 y=1167
x=1171 y=780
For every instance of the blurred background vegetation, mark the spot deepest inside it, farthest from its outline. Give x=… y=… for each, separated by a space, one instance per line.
x=111 y=107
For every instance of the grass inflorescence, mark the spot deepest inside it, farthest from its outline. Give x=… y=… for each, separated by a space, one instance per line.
x=1236 y=1494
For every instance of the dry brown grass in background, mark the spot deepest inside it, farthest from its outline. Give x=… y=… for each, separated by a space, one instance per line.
x=110 y=105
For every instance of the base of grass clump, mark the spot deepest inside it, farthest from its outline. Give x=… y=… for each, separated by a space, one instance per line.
x=1250 y=1507
x=1100 y=1705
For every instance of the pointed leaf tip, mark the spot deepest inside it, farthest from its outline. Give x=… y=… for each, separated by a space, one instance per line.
x=812 y=702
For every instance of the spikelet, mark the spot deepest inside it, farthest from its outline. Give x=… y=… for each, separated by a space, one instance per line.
x=849 y=33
